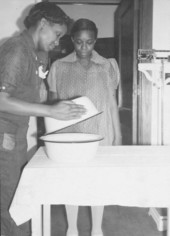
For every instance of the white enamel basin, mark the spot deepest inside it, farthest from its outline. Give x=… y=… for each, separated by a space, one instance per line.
x=71 y=147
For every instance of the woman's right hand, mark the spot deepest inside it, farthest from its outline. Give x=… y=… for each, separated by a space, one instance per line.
x=66 y=110
x=63 y=110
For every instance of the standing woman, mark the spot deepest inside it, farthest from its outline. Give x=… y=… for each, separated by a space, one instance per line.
x=20 y=96
x=85 y=73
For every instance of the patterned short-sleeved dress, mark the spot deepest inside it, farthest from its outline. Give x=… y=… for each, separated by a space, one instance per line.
x=69 y=79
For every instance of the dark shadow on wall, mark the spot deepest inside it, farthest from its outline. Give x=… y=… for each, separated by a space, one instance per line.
x=20 y=20
x=19 y=23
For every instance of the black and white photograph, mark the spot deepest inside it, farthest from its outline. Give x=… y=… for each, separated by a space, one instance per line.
x=85 y=118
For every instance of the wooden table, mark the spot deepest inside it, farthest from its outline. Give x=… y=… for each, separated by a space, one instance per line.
x=121 y=175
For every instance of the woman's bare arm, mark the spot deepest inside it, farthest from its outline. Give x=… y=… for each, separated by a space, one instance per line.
x=116 y=123
x=64 y=110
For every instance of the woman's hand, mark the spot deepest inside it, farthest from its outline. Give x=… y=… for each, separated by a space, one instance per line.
x=66 y=110
x=63 y=110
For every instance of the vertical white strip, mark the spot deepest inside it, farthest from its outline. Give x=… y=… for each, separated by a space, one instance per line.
x=37 y=221
x=47 y=220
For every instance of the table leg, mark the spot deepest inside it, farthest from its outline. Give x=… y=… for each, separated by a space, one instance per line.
x=168 y=221
x=47 y=220
x=37 y=222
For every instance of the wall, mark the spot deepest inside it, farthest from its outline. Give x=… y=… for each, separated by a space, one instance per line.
x=102 y=15
x=161 y=24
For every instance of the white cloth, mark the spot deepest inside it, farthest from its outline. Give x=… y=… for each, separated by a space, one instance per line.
x=118 y=175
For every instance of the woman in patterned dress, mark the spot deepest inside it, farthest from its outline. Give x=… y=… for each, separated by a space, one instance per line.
x=85 y=73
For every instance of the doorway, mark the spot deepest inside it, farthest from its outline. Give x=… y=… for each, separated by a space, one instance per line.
x=127 y=44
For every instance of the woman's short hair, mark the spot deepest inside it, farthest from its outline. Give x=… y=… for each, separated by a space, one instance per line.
x=83 y=24
x=48 y=10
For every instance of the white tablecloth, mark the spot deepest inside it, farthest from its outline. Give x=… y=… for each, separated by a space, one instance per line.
x=120 y=175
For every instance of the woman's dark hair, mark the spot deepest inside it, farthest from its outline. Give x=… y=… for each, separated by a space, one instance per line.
x=83 y=24
x=48 y=10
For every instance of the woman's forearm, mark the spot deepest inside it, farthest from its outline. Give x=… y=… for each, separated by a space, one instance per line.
x=116 y=120
x=64 y=110
x=18 y=107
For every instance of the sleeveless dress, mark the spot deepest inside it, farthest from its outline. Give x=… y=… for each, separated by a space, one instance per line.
x=69 y=79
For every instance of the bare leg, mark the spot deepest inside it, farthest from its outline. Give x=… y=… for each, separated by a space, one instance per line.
x=72 y=213
x=97 y=217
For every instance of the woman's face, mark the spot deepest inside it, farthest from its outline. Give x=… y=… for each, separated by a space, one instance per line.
x=50 y=35
x=84 y=42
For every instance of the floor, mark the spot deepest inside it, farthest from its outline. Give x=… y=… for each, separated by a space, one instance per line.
x=117 y=221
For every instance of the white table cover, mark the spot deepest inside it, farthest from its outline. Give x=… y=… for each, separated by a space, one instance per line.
x=118 y=175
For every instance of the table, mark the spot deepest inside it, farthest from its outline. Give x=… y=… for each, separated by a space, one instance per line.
x=118 y=175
